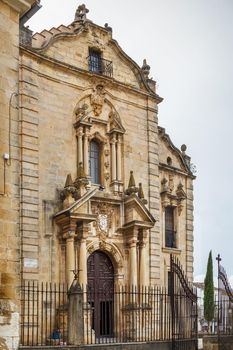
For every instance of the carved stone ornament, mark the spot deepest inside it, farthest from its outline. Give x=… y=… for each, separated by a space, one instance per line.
x=81 y=112
x=145 y=69
x=81 y=13
x=97 y=99
x=167 y=198
x=103 y=222
x=104 y=217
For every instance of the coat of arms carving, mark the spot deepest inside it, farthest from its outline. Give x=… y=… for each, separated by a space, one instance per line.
x=104 y=213
x=97 y=99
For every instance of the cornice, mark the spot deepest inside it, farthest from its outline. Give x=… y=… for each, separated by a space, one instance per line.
x=173 y=169
x=21 y=6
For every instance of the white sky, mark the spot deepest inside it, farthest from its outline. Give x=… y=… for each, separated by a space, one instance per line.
x=189 y=46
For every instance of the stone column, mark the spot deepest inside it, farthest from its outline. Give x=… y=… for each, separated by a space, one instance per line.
x=80 y=145
x=75 y=314
x=85 y=154
x=70 y=257
x=133 y=276
x=83 y=263
x=119 y=158
x=113 y=154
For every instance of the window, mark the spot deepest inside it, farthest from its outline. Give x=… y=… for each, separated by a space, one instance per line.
x=95 y=62
x=95 y=162
x=170 y=234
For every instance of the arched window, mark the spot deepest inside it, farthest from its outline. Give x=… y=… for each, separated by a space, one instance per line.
x=95 y=162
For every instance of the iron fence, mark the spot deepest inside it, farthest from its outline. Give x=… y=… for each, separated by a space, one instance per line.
x=224 y=309
x=120 y=314
x=127 y=314
x=43 y=314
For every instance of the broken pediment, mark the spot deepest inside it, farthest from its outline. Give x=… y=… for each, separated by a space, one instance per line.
x=95 y=107
x=171 y=194
x=137 y=213
x=170 y=157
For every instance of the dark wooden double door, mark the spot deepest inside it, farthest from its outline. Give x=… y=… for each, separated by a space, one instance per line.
x=100 y=274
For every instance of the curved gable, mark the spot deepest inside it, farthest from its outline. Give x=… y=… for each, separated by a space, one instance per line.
x=71 y=44
x=170 y=156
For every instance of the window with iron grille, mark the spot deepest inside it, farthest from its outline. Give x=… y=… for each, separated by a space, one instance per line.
x=170 y=234
x=95 y=64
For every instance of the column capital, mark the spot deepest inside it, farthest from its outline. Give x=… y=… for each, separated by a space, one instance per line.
x=119 y=140
x=132 y=243
x=79 y=132
x=143 y=234
x=113 y=138
x=142 y=244
x=69 y=235
x=83 y=232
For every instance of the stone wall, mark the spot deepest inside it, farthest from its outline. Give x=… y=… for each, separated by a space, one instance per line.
x=9 y=177
x=10 y=246
x=212 y=343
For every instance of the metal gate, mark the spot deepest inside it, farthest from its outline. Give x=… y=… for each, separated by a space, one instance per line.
x=225 y=309
x=183 y=309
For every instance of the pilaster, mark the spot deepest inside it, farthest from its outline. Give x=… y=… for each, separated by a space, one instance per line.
x=153 y=185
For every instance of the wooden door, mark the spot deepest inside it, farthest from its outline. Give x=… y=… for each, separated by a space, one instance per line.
x=100 y=274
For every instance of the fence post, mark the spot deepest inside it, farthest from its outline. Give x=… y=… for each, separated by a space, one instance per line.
x=75 y=314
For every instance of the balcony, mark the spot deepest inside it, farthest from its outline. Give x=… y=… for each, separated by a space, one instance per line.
x=100 y=66
x=170 y=239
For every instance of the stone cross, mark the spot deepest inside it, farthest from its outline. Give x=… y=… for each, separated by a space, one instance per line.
x=81 y=13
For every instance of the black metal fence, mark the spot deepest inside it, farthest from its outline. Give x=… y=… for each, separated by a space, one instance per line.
x=130 y=314
x=43 y=314
x=183 y=309
x=125 y=314
x=224 y=309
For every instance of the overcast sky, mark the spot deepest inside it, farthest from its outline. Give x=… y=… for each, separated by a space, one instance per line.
x=189 y=46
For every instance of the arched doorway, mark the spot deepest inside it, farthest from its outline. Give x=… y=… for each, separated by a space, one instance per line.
x=100 y=275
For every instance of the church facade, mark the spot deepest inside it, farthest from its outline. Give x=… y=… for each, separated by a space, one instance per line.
x=89 y=181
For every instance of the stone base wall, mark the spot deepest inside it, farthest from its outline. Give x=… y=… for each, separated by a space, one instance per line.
x=211 y=343
x=131 y=346
x=9 y=325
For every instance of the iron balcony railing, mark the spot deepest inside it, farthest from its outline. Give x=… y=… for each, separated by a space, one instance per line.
x=100 y=66
x=170 y=239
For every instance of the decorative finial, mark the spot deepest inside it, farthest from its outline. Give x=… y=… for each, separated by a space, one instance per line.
x=145 y=69
x=106 y=26
x=81 y=13
x=218 y=258
x=141 y=194
x=183 y=148
x=81 y=181
x=132 y=185
x=69 y=193
x=69 y=181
